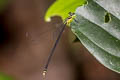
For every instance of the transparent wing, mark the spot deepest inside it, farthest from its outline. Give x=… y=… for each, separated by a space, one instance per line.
x=57 y=30
x=50 y=32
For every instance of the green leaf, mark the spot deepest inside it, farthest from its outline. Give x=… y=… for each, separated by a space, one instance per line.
x=5 y=77
x=98 y=28
x=3 y=3
x=62 y=8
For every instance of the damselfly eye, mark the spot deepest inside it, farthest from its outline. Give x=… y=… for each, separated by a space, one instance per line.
x=71 y=14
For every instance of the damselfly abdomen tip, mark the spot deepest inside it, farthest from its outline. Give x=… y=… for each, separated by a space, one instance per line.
x=44 y=74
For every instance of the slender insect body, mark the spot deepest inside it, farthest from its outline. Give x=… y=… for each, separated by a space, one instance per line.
x=66 y=22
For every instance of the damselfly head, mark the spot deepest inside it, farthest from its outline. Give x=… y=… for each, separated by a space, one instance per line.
x=70 y=18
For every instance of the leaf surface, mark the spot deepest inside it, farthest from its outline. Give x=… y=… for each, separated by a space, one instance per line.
x=62 y=8
x=98 y=28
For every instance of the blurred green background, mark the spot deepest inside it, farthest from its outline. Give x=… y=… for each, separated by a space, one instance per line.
x=26 y=40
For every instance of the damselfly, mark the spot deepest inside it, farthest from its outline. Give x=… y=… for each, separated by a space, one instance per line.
x=66 y=22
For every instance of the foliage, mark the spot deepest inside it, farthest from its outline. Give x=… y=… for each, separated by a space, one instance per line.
x=97 y=25
x=62 y=8
x=4 y=77
x=3 y=3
